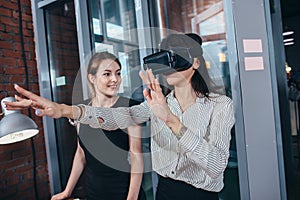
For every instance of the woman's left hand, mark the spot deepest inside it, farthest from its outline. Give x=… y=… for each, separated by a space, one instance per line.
x=155 y=97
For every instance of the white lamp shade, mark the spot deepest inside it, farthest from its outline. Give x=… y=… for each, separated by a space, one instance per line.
x=15 y=127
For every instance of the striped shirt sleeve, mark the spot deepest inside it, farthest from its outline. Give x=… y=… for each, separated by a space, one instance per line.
x=211 y=152
x=115 y=118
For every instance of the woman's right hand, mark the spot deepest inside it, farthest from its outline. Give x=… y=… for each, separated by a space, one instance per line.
x=43 y=106
x=61 y=196
x=155 y=97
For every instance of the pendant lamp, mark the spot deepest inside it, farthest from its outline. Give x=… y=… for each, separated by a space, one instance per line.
x=15 y=126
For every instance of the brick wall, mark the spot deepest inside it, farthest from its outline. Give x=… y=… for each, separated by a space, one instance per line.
x=16 y=160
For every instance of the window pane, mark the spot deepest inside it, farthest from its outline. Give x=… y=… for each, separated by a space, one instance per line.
x=118 y=19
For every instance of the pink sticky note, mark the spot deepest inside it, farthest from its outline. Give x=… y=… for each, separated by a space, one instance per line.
x=254 y=63
x=252 y=46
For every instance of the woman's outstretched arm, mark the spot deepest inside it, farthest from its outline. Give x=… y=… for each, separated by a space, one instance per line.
x=96 y=117
x=42 y=106
x=105 y=118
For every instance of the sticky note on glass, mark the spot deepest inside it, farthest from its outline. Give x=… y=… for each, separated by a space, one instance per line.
x=60 y=81
x=254 y=63
x=252 y=46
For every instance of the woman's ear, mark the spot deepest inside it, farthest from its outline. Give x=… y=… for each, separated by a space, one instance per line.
x=196 y=63
x=91 y=78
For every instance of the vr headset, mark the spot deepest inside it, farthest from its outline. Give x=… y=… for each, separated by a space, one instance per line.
x=169 y=61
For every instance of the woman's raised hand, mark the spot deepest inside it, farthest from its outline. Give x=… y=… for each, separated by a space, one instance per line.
x=42 y=106
x=155 y=97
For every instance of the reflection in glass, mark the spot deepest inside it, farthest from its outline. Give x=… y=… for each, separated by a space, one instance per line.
x=212 y=25
x=114 y=30
x=120 y=19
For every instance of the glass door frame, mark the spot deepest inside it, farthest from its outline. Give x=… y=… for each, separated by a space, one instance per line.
x=82 y=24
x=38 y=17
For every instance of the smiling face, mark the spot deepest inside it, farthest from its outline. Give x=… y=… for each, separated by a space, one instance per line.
x=107 y=79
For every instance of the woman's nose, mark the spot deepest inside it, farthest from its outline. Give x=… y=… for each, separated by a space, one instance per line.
x=114 y=78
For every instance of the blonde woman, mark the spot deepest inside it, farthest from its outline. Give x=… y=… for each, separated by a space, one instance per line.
x=103 y=154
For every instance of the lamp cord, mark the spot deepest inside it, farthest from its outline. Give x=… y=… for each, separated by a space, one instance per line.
x=4 y=91
x=27 y=87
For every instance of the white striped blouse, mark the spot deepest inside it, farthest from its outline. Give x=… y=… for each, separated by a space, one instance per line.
x=199 y=157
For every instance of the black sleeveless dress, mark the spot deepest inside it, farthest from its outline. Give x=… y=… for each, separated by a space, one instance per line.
x=107 y=162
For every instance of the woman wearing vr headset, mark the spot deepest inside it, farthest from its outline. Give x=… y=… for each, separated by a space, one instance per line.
x=190 y=127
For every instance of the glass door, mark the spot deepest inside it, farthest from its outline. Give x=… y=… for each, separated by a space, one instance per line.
x=64 y=65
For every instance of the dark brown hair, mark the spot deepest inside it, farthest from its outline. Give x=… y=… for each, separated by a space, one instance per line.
x=192 y=42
